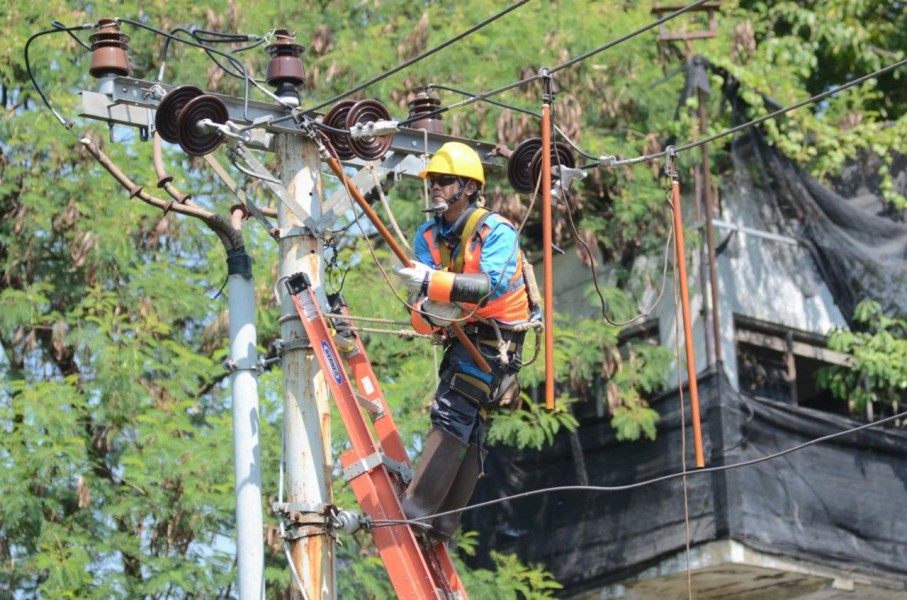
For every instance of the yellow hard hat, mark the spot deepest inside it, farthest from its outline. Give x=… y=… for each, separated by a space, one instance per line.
x=455 y=158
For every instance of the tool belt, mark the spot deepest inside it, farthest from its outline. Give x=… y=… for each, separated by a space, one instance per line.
x=487 y=395
x=487 y=336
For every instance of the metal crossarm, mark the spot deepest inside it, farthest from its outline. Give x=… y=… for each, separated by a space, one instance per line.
x=416 y=570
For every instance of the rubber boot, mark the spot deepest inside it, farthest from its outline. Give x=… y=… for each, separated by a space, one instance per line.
x=441 y=459
x=461 y=490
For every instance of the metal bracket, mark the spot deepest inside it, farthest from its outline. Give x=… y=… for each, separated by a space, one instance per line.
x=231 y=366
x=299 y=507
x=231 y=183
x=363 y=466
x=282 y=193
x=376 y=409
x=129 y=93
x=339 y=202
x=404 y=472
x=360 y=467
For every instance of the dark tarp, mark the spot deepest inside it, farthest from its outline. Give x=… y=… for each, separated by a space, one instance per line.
x=839 y=503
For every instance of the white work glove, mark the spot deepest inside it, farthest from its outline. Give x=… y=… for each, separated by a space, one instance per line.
x=440 y=314
x=415 y=276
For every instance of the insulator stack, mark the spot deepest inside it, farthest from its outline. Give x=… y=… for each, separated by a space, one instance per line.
x=518 y=165
x=108 y=51
x=524 y=168
x=369 y=148
x=168 y=111
x=179 y=119
x=346 y=115
x=193 y=137
x=560 y=157
x=425 y=102
x=285 y=71
x=336 y=120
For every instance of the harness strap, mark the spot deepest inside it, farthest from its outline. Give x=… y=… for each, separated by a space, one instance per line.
x=473 y=224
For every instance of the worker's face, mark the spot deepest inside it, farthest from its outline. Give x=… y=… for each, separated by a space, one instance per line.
x=445 y=189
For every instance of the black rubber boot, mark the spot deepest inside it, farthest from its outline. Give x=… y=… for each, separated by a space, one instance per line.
x=461 y=490
x=441 y=459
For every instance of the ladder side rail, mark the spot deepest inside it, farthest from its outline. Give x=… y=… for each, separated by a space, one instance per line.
x=406 y=564
x=367 y=383
x=363 y=375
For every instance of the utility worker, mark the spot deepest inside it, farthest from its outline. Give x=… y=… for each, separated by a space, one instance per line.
x=469 y=269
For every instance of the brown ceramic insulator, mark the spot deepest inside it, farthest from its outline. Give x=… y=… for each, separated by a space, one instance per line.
x=108 y=51
x=369 y=148
x=519 y=172
x=192 y=139
x=285 y=65
x=423 y=102
x=168 y=111
x=336 y=119
x=560 y=157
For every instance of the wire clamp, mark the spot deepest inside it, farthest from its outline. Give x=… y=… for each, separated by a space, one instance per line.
x=565 y=178
x=671 y=163
x=607 y=162
x=371 y=129
x=547 y=85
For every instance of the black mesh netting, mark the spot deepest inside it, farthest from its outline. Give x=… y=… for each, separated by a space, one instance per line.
x=838 y=503
x=859 y=242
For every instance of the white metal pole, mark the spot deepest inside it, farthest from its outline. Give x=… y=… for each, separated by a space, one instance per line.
x=243 y=365
x=307 y=424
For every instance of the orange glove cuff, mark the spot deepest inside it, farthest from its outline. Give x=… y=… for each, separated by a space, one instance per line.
x=440 y=286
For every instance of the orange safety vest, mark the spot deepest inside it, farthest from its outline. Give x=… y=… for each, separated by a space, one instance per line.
x=510 y=308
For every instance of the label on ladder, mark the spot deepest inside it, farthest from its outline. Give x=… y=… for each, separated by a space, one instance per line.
x=407 y=560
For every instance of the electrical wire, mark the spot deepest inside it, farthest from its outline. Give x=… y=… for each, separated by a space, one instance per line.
x=420 y=57
x=610 y=162
x=526 y=111
x=58 y=28
x=547 y=72
x=654 y=480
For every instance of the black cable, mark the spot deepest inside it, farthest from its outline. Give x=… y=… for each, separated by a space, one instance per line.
x=58 y=28
x=78 y=40
x=438 y=86
x=757 y=121
x=424 y=55
x=611 y=44
x=627 y=37
x=633 y=486
x=208 y=50
x=787 y=109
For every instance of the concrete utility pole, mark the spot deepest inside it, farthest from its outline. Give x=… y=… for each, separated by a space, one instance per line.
x=307 y=419
x=243 y=367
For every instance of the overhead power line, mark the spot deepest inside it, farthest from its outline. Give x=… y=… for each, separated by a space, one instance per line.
x=653 y=481
x=422 y=56
x=754 y=122
x=569 y=63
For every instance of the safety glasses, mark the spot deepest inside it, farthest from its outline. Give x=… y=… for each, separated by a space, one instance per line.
x=442 y=180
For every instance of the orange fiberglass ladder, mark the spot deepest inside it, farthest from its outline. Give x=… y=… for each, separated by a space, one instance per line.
x=375 y=469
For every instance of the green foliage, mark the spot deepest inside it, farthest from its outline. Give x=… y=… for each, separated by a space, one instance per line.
x=877 y=377
x=511 y=579
x=531 y=425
